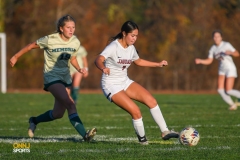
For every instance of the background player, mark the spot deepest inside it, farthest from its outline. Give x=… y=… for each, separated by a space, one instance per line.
x=76 y=76
x=227 y=72
x=121 y=90
x=59 y=49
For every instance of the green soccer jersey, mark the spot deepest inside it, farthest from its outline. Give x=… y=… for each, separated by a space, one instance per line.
x=80 y=54
x=57 y=54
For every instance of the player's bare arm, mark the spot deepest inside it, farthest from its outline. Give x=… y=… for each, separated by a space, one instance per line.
x=85 y=64
x=75 y=64
x=24 y=50
x=145 y=63
x=234 y=54
x=204 y=61
x=99 y=64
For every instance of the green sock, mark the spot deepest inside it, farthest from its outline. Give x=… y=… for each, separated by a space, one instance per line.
x=77 y=124
x=74 y=93
x=45 y=117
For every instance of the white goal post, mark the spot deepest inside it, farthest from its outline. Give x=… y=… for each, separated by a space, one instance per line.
x=3 y=63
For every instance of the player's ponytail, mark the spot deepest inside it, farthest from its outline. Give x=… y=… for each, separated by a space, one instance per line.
x=127 y=27
x=118 y=36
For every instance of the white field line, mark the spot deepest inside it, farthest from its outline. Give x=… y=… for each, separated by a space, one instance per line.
x=65 y=138
x=116 y=127
x=195 y=126
x=121 y=128
x=98 y=138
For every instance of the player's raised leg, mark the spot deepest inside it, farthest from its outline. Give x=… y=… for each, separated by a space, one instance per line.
x=33 y=121
x=123 y=101
x=62 y=94
x=145 y=97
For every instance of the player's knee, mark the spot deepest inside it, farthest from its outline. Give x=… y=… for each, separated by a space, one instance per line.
x=136 y=114
x=68 y=103
x=154 y=102
x=58 y=115
x=151 y=101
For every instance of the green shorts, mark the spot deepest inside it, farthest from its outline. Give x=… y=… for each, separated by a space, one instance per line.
x=54 y=82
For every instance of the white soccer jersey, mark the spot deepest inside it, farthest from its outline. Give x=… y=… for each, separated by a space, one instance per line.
x=218 y=52
x=118 y=59
x=80 y=54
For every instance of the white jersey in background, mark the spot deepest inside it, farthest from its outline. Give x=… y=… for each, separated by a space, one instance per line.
x=80 y=54
x=226 y=63
x=118 y=59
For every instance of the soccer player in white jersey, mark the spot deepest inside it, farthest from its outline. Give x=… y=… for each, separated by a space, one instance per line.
x=227 y=72
x=76 y=76
x=60 y=48
x=114 y=61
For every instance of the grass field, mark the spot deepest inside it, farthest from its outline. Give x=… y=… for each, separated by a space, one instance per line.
x=219 y=129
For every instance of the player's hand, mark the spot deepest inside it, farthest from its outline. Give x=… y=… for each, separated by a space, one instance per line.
x=85 y=74
x=228 y=52
x=198 y=61
x=163 y=63
x=13 y=61
x=106 y=71
x=82 y=70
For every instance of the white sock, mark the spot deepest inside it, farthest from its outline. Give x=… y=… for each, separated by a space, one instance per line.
x=158 y=117
x=225 y=97
x=234 y=93
x=139 y=127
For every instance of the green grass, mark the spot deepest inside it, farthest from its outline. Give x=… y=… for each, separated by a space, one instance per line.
x=219 y=129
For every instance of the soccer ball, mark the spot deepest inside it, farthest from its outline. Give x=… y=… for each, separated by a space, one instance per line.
x=189 y=136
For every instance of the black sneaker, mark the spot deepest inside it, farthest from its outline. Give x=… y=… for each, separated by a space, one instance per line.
x=166 y=135
x=142 y=140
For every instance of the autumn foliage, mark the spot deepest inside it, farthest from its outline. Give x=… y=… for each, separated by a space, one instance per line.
x=174 y=30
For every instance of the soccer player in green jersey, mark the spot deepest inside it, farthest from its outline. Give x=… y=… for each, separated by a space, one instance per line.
x=60 y=48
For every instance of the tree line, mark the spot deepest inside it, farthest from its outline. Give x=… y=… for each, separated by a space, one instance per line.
x=177 y=31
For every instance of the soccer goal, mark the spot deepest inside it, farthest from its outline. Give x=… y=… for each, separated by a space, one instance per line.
x=3 y=63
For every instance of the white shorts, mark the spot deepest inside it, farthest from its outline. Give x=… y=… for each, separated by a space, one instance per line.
x=110 y=89
x=230 y=72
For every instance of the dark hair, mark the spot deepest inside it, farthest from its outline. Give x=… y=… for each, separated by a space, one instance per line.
x=127 y=27
x=62 y=20
x=216 y=31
